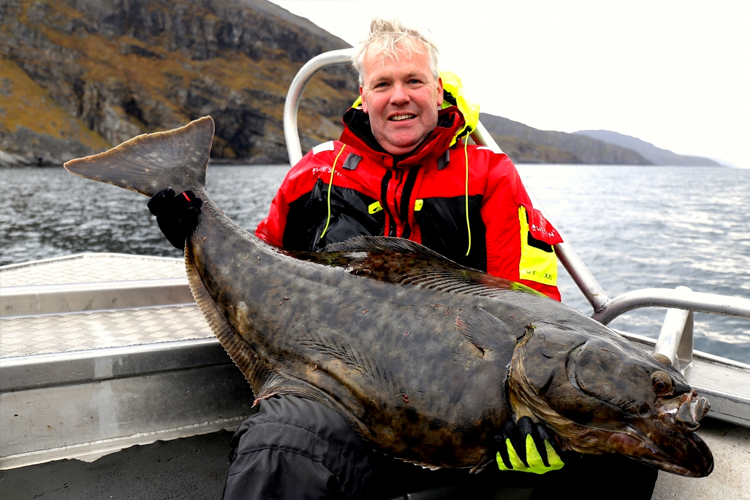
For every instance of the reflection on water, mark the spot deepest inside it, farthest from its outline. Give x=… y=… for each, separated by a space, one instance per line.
x=635 y=227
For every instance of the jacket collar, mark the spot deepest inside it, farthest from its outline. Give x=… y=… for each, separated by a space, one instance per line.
x=357 y=133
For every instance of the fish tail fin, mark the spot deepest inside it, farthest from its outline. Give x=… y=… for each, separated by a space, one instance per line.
x=177 y=158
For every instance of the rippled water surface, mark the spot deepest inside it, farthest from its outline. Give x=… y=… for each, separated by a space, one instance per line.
x=635 y=227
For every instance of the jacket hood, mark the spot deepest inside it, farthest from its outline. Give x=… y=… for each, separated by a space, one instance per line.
x=358 y=134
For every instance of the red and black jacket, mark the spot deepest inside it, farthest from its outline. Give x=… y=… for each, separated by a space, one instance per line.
x=421 y=196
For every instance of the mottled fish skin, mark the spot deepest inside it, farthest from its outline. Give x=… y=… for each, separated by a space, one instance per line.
x=366 y=347
x=424 y=358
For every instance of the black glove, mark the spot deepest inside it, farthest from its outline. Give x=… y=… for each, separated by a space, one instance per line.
x=528 y=447
x=177 y=216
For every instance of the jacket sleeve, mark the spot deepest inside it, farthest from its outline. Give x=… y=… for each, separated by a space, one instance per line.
x=298 y=182
x=271 y=229
x=519 y=238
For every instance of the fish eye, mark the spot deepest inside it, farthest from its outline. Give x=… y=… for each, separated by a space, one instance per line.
x=662 y=383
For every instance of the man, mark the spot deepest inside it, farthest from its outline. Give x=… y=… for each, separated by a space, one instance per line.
x=400 y=169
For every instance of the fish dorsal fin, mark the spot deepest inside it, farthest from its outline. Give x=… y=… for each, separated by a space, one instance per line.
x=485 y=331
x=401 y=261
x=260 y=377
x=264 y=380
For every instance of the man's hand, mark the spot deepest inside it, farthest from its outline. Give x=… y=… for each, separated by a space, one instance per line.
x=177 y=215
x=527 y=447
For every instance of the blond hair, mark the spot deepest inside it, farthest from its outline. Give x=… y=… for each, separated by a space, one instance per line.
x=389 y=37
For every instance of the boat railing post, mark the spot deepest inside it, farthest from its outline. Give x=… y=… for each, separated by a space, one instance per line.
x=685 y=349
x=568 y=257
x=675 y=341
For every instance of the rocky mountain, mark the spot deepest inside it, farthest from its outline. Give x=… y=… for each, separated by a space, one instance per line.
x=655 y=155
x=525 y=144
x=78 y=76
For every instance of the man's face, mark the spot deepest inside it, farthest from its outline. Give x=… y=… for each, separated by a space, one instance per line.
x=401 y=98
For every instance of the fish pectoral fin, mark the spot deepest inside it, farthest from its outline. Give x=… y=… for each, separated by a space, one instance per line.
x=485 y=331
x=328 y=347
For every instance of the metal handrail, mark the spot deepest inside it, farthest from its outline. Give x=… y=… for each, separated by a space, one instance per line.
x=605 y=309
x=293 y=97
x=678 y=299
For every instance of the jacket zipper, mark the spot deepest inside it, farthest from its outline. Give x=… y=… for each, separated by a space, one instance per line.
x=411 y=179
x=388 y=225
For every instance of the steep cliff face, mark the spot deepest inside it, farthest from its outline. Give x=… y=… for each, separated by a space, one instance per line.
x=81 y=75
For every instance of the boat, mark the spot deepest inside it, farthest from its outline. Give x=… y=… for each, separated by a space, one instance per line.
x=103 y=354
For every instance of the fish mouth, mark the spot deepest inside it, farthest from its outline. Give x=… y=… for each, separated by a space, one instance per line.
x=695 y=458
x=682 y=453
x=669 y=441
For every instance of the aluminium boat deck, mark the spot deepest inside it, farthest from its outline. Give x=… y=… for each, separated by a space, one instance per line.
x=103 y=351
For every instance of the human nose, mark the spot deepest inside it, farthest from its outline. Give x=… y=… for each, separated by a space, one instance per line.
x=399 y=96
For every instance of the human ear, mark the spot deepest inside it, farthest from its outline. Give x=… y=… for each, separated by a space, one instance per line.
x=364 y=102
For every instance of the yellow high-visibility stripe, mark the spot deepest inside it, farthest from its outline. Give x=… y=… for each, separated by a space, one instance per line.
x=468 y=225
x=374 y=208
x=330 y=188
x=536 y=264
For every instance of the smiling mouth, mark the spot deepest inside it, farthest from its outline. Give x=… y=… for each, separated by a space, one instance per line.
x=400 y=118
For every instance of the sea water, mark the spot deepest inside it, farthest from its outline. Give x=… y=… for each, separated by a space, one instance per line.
x=634 y=227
